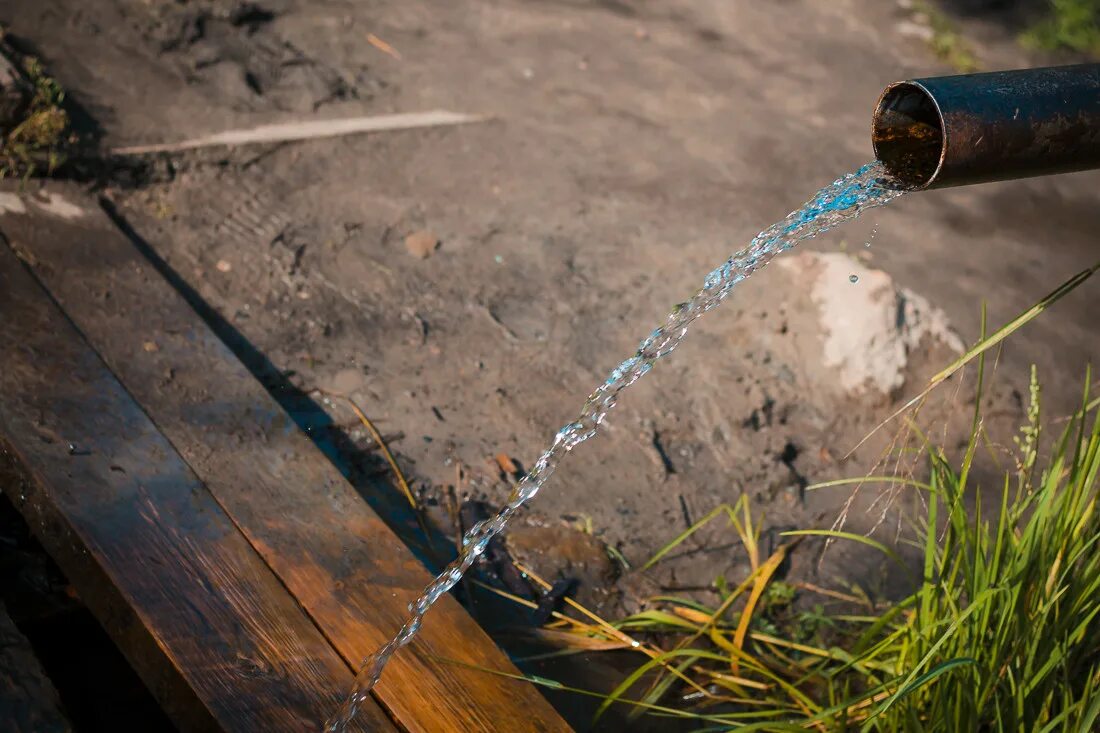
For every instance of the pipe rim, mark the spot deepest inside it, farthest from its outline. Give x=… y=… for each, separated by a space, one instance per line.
x=880 y=108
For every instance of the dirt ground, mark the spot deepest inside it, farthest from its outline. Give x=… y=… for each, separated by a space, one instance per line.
x=631 y=147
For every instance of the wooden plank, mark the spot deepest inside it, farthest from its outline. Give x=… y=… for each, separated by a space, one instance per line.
x=203 y=620
x=28 y=700
x=335 y=555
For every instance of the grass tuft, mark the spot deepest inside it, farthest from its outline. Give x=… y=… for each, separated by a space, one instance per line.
x=36 y=142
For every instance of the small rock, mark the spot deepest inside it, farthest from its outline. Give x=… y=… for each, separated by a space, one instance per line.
x=150 y=346
x=558 y=551
x=223 y=266
x=422 y=243
x=867 y=333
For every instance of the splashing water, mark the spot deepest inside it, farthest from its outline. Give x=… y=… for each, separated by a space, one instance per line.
x=843 y=199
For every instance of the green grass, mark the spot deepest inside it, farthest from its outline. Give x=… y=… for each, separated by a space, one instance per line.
x=36 y=144
x=1070 y=25
x=1003 y=632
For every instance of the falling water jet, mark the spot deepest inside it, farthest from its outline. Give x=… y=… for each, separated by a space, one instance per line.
x=844 y=199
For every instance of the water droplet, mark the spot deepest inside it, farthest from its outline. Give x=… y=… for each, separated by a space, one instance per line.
x=853 y=278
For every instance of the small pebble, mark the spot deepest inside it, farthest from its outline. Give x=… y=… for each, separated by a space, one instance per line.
x=853 y=278
x=421 y=243
x=223 y=266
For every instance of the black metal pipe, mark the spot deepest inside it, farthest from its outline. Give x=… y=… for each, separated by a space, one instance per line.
x=973 y=128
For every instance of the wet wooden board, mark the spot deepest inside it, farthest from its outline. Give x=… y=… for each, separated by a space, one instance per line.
x=28 y=700
x=335 y=555
x=203 y=620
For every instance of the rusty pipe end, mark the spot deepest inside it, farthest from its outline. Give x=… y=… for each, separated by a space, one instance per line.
x=908 y=134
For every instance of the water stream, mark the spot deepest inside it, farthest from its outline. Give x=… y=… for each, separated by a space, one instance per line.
x=842 y=200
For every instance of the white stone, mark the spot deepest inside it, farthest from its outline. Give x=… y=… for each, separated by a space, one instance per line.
x=868 y=327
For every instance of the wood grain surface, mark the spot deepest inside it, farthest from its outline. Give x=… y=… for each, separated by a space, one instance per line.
x=208 y=626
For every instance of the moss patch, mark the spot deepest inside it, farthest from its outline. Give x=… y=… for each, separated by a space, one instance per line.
x=35 y=143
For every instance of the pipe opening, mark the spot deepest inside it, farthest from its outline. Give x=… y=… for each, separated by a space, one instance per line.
x=907 y=134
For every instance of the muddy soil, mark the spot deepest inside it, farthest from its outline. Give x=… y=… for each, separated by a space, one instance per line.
x=630 y=147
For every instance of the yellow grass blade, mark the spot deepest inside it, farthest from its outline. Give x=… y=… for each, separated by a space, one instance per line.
x=760 y=584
